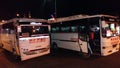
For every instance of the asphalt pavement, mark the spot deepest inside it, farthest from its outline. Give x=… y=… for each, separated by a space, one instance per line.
x=60 y=59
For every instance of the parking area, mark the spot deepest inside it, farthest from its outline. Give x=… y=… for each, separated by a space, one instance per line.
x=60 y=59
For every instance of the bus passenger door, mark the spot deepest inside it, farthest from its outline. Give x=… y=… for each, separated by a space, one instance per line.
x=82 y=35
x=94 y=39
x=83 y=43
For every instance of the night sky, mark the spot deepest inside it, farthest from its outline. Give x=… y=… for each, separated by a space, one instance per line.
x=44 y=8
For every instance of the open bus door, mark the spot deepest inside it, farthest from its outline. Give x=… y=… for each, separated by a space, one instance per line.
x=83 y=41
x=94 y=39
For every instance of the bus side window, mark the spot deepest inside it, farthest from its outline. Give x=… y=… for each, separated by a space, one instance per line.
x=65 y=29
x=12 y=31
x=55 y=29
x=73 y=28
x=82 y=33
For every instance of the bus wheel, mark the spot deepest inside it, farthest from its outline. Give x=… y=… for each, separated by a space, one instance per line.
x=86 y=55
x=54 y=46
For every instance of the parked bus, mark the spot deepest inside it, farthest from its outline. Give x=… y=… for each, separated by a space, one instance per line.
x=89 y=35
x=26 y=37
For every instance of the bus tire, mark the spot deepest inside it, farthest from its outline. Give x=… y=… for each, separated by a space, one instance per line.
x=54 y=46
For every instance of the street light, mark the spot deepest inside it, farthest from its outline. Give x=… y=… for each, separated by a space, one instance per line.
x=18 y=15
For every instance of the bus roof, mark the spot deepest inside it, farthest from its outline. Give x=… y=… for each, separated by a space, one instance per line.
x=27 y=20
x=75 y=17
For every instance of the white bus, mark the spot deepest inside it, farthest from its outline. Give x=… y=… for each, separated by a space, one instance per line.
x=89 y=35
x=26 y=37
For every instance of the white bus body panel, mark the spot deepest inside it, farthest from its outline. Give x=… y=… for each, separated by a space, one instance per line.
x=35 y=49
x=69 y=41
x=9 y=43
x=109 y=45
x=34 y=46
x=84 y=46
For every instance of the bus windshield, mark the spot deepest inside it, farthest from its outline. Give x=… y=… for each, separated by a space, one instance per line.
x=27 y=31
x=110 y=29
